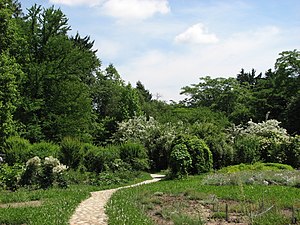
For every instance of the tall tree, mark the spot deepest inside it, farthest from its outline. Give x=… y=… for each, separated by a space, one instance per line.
x=9 y=95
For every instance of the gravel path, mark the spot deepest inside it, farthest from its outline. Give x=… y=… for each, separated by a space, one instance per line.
x=92 y=212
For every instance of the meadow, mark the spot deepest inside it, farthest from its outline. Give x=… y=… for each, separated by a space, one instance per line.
x=199 y=200
x=51 y=206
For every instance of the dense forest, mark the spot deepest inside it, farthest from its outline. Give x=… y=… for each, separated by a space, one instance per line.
x=56 y=99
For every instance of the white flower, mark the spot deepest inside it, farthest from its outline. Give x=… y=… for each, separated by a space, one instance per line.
x=51 y=161
x=35 y=161
x=59 y=168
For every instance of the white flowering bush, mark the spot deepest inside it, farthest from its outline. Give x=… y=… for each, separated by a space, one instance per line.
x=44 y=173
x=265 y=141
x=156 y=137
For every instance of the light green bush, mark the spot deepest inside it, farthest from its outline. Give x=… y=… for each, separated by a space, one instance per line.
x=71 y=152
x=44 y=149
x=135 y=154
x=17 y=150
x=180 y=161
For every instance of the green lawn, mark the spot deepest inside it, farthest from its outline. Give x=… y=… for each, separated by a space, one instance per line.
x=55 y=205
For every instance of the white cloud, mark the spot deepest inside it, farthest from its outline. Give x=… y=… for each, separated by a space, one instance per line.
x=135 y=9
x=167 y=72
x=196 y=34
x=77 y=2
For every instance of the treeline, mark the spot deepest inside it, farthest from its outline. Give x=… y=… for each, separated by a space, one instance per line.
x=53 y=89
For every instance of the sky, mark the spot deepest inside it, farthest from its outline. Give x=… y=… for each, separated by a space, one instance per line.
x=169 y=44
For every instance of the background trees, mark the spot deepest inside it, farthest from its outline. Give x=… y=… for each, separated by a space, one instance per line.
x=52 y=88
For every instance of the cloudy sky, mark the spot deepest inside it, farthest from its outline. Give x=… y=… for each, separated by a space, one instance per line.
x=169 y=44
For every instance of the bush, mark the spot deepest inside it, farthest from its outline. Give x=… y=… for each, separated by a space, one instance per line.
x=17 y=150
x=99 y=159
x=292 y=152
x=44 y=149
x=10 y=176
x=180 y=161
x=71 y=152
x=134 y=154
x=44 y=174
x=201 y=156
x=247 y=149
x=217 y=140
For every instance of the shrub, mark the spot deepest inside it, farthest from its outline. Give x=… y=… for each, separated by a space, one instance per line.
x=44 y=173
x=10 y=176
x=99 y=159
x=156 y=137
x=200 y=154
x=44 y=149
x=134 y=154
x=16 y=150
x=217 y=140
x=71 y=152
x=247 y=149
x=30 y=175
x=292 y=152
x=180 y=161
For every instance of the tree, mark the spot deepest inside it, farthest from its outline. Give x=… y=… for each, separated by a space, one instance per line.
x=9 y=95
x=221 y=94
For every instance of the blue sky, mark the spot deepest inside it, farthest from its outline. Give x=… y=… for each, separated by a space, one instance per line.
x=169 y=44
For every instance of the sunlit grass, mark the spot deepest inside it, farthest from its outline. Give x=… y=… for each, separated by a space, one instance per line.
x=57 y=205
x=251 y=200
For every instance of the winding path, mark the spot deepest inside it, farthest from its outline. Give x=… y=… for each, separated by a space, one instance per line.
x=92 y=212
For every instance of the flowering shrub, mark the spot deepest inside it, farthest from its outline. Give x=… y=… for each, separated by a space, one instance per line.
x=43 y=174
x=265 y=141
x=156 y=137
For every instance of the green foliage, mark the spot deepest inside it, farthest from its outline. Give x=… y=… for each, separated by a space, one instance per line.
x=265 y=141
x=218 y=142
x=71 y=152
x=202 y=160
x=100 y=159
x=180 y=161
x=17 y=150
x=221 y=94
x=156 y=137
x=44 y=149
x=10 y=176
x=134 y=154
x=292 y=152
x=10 y=71
x=247 y=149
x=200 y=154
x=43 y=174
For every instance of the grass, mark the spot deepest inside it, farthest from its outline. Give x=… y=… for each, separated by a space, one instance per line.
x=57 y=204
x=139 y=205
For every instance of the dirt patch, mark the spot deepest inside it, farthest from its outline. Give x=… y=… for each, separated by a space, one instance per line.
x=21 y=204
x=164 y=209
